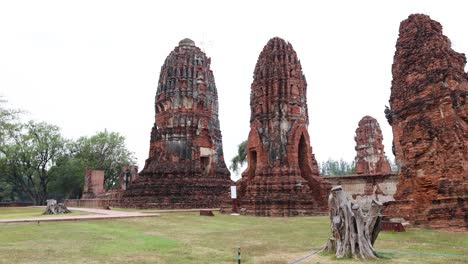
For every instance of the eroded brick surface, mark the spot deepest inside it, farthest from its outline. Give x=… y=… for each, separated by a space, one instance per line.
x=429 y=121
x=282 y=178
x=370 y=154
x=364 y=188
x=93 y=183
x=128 y=174
x=186 y=167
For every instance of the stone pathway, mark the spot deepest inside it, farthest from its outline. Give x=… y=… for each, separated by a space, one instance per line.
x=180 y=210
x=95 y=214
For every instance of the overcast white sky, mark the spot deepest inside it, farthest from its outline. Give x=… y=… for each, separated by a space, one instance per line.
x=90 y=65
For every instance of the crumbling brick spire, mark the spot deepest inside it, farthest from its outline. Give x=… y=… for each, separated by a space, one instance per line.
x=428 y=114
x=185 y=167
x=370 y=154
x=282 y=177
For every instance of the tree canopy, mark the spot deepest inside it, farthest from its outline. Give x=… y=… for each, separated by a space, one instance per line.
x=37 y=162
x=333 y=167
x=105 y=151
x=27 y=157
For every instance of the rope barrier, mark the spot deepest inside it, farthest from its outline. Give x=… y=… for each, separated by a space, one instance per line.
x=392 y=252
x=307 y=256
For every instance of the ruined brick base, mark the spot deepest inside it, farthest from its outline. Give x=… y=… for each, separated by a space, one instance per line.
x=176 y=192
x=450 y=213
x=362 y=189
x=282 y=194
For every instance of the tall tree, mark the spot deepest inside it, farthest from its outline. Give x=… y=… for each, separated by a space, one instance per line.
x=9 y=125
x=27 y=157
x=105 y=151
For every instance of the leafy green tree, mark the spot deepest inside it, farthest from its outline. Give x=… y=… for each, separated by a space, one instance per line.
x=105 y=151
x=27 y=156
x=6 y=191
x=67 y=178
x=8 y=119
x=9 y=124
x=36 y=162
x=9 y=127
x=239 y=160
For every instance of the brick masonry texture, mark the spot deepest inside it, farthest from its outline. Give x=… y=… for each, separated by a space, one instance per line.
x=282 y=177
x=429 y=120
x=185 y=167
x=370 y=154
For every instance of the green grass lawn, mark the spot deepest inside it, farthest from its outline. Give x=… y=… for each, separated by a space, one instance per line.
x=190 y=238
x=28 y=212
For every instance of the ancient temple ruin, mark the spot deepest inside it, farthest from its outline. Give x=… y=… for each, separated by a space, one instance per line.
x=185 y=167
x=370 y=154
x=93 y=183
x=94 y=194
x=373 y=178
x=428 y=115
x=282 y=177
x=128 y=174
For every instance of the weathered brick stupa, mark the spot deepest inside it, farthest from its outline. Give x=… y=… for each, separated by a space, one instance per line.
x=282 y=177
x=370 y=155
x=430 y=132
x=185 y=168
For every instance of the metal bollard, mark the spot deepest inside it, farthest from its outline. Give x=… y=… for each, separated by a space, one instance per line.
x=238 y=256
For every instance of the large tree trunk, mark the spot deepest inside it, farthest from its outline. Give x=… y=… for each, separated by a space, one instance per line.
x=353 y=232
x=56 y=208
